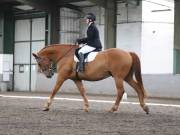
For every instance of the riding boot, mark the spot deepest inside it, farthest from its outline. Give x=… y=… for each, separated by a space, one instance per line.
x=81 y=62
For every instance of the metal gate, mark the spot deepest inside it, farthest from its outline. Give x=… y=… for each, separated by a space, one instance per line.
x=69 y=25
x=29 y=37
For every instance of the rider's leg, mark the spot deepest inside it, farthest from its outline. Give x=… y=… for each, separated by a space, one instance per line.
x=82 y=51
x=81 y=62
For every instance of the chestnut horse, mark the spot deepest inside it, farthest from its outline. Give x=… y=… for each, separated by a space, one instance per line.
x=119 y=64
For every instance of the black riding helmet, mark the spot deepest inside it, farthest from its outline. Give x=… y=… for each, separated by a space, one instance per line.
x=91 y=16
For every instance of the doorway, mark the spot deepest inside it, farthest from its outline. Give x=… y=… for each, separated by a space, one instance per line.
x=29 y=38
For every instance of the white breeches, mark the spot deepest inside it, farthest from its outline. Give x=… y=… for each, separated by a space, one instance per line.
x=86 y=49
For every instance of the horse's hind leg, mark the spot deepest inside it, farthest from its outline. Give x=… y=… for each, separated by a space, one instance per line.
x=140 y=93
x=120 y=92
x=80 y=86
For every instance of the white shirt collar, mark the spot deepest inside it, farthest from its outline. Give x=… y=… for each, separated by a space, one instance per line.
x=90 y=23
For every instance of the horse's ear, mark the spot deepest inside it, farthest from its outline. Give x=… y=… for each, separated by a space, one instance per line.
x=35 y=55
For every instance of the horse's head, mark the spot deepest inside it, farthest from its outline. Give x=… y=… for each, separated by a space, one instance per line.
x=45 y=65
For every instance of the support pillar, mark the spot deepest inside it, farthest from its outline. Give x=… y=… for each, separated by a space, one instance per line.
x=7 y=29
x=110 y=24
x=53 y=25
x=177 y=38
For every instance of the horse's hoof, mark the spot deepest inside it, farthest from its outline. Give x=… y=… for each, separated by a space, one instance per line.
x=146 y=109
x=46 y=109
x=110 y=111
x=86 y=110
x=113 y=109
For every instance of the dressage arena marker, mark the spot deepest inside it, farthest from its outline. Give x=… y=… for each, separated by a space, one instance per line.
x=92 y=100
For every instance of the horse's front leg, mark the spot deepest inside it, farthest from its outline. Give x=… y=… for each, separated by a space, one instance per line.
x=82 y=91
x=59 y=83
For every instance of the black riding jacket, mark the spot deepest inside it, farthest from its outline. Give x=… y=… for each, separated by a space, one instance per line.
x=92 y=38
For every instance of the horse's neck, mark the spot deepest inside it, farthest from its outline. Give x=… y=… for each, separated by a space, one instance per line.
x=57 y=51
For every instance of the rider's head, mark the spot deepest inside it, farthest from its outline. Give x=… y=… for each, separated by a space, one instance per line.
x=90 y=17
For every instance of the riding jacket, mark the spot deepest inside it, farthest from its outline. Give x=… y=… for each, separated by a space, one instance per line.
x=92 y=38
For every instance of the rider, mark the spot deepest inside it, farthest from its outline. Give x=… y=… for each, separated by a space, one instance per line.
x=92 y=41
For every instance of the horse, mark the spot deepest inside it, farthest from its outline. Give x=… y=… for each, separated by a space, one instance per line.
x=113 y=62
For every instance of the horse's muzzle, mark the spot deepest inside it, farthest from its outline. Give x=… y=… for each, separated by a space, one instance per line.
x=50 y=74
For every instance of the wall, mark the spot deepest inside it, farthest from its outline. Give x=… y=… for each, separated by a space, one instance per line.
x=157 y=37
x=6 y=68
x=147 y=29
x=129 y=27
x=157 y=49
x=165 y=86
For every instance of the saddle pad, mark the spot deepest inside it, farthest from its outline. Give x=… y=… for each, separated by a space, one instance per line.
x=91 y=56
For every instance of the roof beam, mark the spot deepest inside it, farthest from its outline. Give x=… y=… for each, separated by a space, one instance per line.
x=64 y=2
x=6 y=1
x=72 y=7
x=133 y=2
x=99 y=2
x=44 y=5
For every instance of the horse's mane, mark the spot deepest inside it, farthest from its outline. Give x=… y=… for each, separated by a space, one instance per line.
x=58 y=45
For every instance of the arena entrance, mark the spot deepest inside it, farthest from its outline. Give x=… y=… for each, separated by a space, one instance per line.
x=29 y=37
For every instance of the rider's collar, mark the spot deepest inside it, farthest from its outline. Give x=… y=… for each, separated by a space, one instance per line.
x=90 y=23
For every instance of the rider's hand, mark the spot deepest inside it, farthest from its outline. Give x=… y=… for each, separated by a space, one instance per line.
x=78 y=41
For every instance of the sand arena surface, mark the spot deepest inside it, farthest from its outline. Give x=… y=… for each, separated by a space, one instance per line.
x=21 y=116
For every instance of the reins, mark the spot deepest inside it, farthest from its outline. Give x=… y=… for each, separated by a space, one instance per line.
x=64 y=54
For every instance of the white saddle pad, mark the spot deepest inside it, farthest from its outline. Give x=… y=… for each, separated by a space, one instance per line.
x=91 y=56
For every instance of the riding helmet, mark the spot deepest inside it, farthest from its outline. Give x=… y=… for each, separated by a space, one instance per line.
x=91 y=16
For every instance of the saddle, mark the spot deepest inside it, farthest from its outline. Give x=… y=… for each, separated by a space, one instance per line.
x=88 y=57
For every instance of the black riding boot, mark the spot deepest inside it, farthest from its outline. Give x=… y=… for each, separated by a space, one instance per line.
x=81 y=62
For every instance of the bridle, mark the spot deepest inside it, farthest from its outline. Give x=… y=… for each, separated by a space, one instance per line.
x=51 y=69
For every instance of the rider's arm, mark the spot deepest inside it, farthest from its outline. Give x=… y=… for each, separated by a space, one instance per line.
x=82 y=41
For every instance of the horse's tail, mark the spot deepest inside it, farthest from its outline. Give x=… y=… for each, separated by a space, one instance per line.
x=136 y=69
